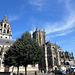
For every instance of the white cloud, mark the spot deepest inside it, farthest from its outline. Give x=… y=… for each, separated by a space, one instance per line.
x=70 y=22
x=31 y=33
x=37 y=3
x=67 y=23
x=63 y=33
x=13 y=17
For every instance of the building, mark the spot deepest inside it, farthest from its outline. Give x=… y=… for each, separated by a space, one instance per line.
x=5 y=42
x=5 y=39
x=5 y=29
x=54 y=57
x=39 y=36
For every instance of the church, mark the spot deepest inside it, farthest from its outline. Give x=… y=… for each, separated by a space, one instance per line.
x=5 y=42
x=54 y=57
x=5 y=39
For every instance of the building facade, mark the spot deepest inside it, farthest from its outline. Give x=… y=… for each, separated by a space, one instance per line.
x=5 y=39
x=39 y=36
x=5 y=42
x=54 y=57
x=5 y=29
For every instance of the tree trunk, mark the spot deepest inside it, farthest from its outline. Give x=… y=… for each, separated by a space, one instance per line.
x=18 y=70
x=12 y=69
x=25 y=70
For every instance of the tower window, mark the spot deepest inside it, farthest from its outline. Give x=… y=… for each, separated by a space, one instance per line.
x=4 y=31
x=7 y=31
x=0 y=30
x=4 y=25
x=6 y=37
x=1 y=24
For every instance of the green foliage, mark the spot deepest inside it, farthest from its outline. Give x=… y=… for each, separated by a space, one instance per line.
x=24 y=51
x=32 y=52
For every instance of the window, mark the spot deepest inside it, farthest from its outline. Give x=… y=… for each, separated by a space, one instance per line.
x=1 y=24
x=7 y=31
x=0 y=30
x=4 y=25
x=8 y=26
x=4 y=31
x=1 y=36
x=0 y=63
x=6 y=37
x=49 y=51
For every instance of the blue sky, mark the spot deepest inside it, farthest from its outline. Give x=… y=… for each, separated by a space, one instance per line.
x=57 y=17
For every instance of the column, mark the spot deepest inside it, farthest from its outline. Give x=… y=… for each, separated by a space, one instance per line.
x=46 y=60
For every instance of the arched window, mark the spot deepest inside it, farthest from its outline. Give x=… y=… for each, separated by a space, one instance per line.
x=49 y=50
x=4 y=31
x=1 y=24
x=0 y=30
x=6 y=37
x=1 y=36
x=4 y=25
x=7 y=31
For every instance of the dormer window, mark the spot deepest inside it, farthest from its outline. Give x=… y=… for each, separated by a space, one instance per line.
x=4 y=25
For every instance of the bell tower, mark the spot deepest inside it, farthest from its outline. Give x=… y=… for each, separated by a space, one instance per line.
x=40 y=36
x=5 y=29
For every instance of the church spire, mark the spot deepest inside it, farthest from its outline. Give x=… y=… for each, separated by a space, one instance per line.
x=5 y=17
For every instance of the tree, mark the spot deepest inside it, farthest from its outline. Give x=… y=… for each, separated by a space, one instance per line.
x=32 y=52
x=12 y=57
x=23 y=52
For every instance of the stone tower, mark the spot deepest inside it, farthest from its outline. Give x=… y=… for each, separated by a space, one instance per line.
x=5 y=29
x=40 y=36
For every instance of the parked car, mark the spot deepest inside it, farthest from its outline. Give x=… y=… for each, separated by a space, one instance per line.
x=70 y=70
x=60 y=72
x=73 y=70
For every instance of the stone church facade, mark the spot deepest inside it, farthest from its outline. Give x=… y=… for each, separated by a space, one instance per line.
x=54 y=57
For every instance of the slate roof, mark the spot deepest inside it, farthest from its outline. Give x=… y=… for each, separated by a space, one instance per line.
x=6 y=41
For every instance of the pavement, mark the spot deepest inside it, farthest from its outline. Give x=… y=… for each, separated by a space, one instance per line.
x=46 y=74
x=37 y=74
